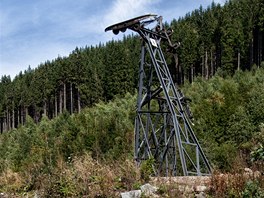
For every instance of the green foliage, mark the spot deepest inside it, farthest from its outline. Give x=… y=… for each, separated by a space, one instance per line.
x=60 y=187
x=224 y=122
x=102 y=130
x=252 y=189
x=107 y=128
x=224 y=156
x=227 y=114
x=257 y=154
x=146 y=169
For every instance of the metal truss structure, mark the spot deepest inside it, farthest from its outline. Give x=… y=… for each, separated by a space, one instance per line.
x=163 y=129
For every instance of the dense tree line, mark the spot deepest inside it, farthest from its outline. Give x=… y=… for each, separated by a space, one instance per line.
x=218 y=39
x=228 y=121
x=69 y=83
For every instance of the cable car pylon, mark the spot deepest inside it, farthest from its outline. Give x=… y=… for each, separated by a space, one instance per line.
x=163 y=129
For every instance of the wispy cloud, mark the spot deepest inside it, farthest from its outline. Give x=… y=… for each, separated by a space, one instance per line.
x=221 y=2
x=122 y=10
x=33 y=31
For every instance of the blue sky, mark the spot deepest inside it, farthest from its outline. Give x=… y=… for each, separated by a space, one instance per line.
x=33 y=31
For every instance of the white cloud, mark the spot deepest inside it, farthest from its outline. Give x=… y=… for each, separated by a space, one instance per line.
x=34 y=31
x=123 y=10
x=221 y=2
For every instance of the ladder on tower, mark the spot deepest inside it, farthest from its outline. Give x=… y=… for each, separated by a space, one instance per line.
x=163 y=129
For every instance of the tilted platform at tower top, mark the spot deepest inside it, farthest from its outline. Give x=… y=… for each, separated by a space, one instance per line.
x=163 y=132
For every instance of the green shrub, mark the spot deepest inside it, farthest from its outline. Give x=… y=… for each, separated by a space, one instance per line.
x=252 y=189
x=146 y=169
x=257 y=154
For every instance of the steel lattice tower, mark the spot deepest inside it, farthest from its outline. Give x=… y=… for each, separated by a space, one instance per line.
x=162 y=127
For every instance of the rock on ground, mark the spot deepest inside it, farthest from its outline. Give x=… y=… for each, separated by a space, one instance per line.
x=131 y=194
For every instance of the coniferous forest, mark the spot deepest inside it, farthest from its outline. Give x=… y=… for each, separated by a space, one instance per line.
x=214 y=40
x=76 y=113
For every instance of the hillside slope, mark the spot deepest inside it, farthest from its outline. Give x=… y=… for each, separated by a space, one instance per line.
x=80 y=154
x=218 y=39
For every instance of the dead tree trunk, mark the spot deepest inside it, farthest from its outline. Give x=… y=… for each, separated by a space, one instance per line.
x=71 y=99
x=260 y=47
x=79 y=101
x=206 y=66
x=45 y=107
x=64 y=97
x=191 y=73
x=56 y=106
x=179 y=74
x=212 y=63
x=60 y=100
x=238 y=61
x=26 y=115
x=251 y=53
x=202 y=72
x=4 y=123
x=22 y=114
x=12 y=119
x=9 y=120
x=19 y=115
